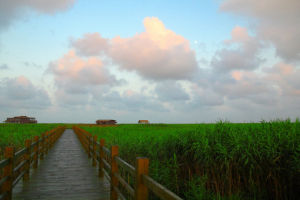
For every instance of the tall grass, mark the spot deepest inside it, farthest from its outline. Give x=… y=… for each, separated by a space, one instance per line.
x=16 y=134
x=216 y=161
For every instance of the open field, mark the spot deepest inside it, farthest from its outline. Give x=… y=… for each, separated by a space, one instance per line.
x=209 y=161
x=16 y=134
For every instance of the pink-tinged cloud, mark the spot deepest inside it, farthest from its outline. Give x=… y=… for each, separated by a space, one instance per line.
x=242 y=56
x=276 y=21
x=73 y=70
x=91 y=44
x=286 y=78
x=157 y=53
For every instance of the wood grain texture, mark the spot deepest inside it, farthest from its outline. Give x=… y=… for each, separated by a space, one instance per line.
x=65 y=173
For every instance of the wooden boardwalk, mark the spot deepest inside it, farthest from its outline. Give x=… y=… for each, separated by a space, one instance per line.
x=65 y=173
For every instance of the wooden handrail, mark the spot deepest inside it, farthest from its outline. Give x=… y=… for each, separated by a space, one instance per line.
x=139 y=173
x=17 y=165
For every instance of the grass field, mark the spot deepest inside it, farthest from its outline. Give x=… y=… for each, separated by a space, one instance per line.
x=16 y=134
x=215 y=161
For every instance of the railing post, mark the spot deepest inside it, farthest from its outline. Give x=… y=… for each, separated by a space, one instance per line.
x=46 y=143
x=36 y=152
x=89 y=145
x=8 y=171
x=142 y=168
x=101 y=157
x=94 y=150
x=42 y=146
x=27 y=158
x=114 y=169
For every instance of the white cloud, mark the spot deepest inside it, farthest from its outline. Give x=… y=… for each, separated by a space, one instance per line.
x=276 y=21
x=72 y=71
x=158 y=53
x=19 y=93
x=91 y=44
x=243 y=57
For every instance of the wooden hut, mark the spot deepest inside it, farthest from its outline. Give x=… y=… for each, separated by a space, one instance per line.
x=143 y=122
x=106 y=122
x=21 y=120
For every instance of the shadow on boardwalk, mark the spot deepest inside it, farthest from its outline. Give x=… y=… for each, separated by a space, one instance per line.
x=65 y=173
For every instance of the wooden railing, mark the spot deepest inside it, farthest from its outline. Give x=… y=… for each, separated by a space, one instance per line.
x=16 y=165
x=126 y=181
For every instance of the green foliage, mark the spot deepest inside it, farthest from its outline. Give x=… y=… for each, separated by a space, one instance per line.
x=16 y=134
x=215 y=161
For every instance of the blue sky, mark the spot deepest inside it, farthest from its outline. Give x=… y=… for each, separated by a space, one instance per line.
x=202 y=60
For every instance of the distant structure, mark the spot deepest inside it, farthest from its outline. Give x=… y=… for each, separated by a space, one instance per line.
x=143 y=122
x=21 y=120
x=106 y=122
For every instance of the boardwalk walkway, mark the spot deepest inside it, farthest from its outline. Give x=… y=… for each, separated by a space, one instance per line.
x=65 y=173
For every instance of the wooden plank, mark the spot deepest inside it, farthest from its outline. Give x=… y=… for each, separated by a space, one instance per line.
x=128 y=188
x=19 y=154
x=8 y=172
x=129 y=168
x=27 y=158
x=72 y=177
x=94 y=150
x=158 y=189
x=3 y=163
x=101 y=157
x=36 y=151
x=121 y=196
x=142 y=168
x=114 y=169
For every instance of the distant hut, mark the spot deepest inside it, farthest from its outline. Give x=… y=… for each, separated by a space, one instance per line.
x=143 y=122
x=106 y=122
x=21 y=120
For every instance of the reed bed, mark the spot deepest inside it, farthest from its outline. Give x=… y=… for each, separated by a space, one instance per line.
x=215 y=161
x=16 y=134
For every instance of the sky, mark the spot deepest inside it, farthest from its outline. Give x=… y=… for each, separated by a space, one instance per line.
x=190 y=61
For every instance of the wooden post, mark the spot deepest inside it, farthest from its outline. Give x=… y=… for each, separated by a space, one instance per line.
x=94 y=150
x=114 y=169
x=42 y=146
x=89 y=145
x=142 y=168
x=8 y=171
x=27 y=158
x=101 y=155
x=46 y=143
x=36 y=152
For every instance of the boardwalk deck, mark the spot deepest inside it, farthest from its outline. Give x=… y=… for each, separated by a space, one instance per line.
x=65 y=173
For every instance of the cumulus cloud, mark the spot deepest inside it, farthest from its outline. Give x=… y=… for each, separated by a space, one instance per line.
x=21 y=93
x=276 y=21
x=12 y=9
x=158 y=53
x=72 y=71
x=286 y=78
x=91 y=44
x=79 y=79
x=243 y=57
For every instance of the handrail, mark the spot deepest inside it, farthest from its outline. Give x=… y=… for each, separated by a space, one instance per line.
x=3 y=163
x=158 y=189
x=126 y=166
x=139 y=173
x=17 y=165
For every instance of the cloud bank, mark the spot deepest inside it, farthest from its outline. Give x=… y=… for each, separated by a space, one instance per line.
x=14 y=9
x=276 y=21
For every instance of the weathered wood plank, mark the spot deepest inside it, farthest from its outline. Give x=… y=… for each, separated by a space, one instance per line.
x=65 y=173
